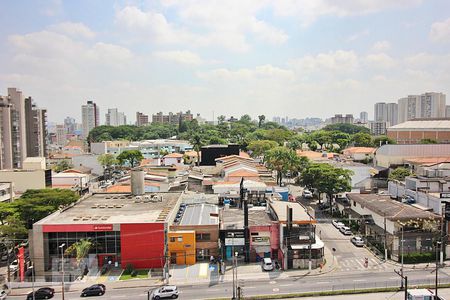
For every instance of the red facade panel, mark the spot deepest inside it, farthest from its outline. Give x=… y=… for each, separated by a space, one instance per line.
x=142 y=245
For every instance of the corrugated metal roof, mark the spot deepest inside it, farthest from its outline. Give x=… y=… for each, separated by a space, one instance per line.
x=422 y=124
x=419 y=150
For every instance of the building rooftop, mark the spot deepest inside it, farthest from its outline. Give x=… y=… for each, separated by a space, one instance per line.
x=440 y=124
x=393 y=210
x=116 y=209
x=233 y=218
x=352 y=150
x=200 y=214
x=299 y=213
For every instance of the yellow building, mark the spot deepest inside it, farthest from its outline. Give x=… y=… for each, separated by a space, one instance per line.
x=182 y=247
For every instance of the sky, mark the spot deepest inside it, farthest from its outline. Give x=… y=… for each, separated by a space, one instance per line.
x=295 y=58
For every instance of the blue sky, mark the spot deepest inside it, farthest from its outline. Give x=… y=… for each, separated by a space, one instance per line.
x=295 y=58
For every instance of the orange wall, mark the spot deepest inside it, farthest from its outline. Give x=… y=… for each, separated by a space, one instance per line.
x=182 y=244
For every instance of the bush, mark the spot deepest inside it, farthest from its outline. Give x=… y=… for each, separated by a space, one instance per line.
x=417 y=257
x=129 y=269
x=134 y=273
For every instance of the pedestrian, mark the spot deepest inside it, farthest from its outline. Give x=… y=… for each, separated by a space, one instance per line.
x=211 y=259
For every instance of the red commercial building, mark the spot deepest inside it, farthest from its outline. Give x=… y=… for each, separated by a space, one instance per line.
x=123 y=229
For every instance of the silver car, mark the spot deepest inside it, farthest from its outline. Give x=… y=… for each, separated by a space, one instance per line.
x=167 y=291
x=267 y=264
x=357 y=241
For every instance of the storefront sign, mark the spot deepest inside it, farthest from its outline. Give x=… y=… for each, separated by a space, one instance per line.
x=261 y=240
x=445 y=195
x=234 y=242
x=447 y=211
x=235 y=234
x=103 y=227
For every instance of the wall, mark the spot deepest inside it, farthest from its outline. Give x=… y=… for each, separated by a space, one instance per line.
x=90 y=161
x=24 y=180
x=213 y=230
x=142 y=245
x=185 y=250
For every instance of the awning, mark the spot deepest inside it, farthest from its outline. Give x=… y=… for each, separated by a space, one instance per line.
x=317 y=245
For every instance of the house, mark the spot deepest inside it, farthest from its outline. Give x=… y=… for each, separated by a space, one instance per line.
x=384 y=221
x=359 y=153
x=173 y=159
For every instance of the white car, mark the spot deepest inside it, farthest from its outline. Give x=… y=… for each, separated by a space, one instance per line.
x=14 y=266
x=167 y=291
x=3 y=295
x=345 y=230
x=307 y=194
x=267 y=264
x=337 y=224
x=357 y=241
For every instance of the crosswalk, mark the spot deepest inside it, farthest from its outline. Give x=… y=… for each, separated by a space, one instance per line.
x=354 y=263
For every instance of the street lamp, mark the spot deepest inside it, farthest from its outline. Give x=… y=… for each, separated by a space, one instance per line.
x=401 y=270
x=62 y=268
x=232 y=261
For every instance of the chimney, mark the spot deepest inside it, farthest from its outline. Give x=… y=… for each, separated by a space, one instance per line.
x=137 y=182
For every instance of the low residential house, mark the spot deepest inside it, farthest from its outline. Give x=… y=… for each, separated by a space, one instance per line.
x=173 y=159
x=202 y=218
x=191 y=157
x=359 y=153
x=384 y=221
x=298 y=242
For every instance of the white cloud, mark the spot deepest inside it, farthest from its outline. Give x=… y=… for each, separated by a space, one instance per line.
x=440 y=31
x=337 y=61
x=308 y=11
x=380 y=60
x=264 y=72
x=73 y=30
x=228 y=24
x=181 y=57
x=358 y=35
x=381 y=46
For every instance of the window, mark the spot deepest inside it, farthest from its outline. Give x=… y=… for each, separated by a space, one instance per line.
x=180 y=239
x=174 y=239
x=203 y=237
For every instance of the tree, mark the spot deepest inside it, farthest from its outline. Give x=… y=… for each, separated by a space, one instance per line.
x=80 y=249
x=362 y=139
x=107 y=160
x=259 y=147
x=399 y=174
x=246 y=119
x=130 y=157
x=282 y=160
x=221 y=119
x=428 y=141
x=62 y=166
x=347 y=128
x=261 y=120
x=35 y=205
x=197 y=143
x=382 y=140
x=14 y=228
x=326 y=178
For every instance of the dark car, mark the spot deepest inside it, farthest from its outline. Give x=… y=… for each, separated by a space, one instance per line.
x=94 y=290
x=42 y=293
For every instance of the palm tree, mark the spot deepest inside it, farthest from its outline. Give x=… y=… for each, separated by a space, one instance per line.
x=197 y=143
x=81 y=250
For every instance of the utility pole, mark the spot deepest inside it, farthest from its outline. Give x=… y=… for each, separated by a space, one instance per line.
x=402 y=258
x=385 y=242
x=405 y=278
x=232 y=260
x=62 y=268
x=437 y=271
x=310 y=244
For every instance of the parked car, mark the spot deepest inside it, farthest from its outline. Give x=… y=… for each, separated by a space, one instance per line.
x=3 y=294
x=94 y=290
x=324 y=206
x=345 y=230
x=337 y=224
x=307 y=194
x=42 y=293
x=14 y=265
x=357 y=241
x=408 y=199
x=267 y=264
x=167 y=291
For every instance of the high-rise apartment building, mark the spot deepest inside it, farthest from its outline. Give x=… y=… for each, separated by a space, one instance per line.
x=447 y=111
x=70 y=125
x=340 y=119
x=172 y=118
x=141 y=119
x=425 y=106
x=61 y=135
x=36 y=129
x=90 y=116
x=115 y=118
x=22 y=130
x=387 y=113
x=364 y=117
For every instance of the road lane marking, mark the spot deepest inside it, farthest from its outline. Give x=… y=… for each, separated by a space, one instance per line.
x=359 y=280
x=273 y=282
x=276 y=290
x=322 y=282
x=286 y=284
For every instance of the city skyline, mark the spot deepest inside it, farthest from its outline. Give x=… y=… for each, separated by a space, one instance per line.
x=258 y=57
